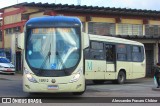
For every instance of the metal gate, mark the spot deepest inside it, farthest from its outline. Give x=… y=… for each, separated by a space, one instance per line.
x=149 y=58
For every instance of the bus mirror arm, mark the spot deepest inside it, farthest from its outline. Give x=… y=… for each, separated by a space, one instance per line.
x=85 y=37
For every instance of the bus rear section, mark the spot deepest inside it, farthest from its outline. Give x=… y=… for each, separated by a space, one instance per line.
x=116 y=59
x=53 y=57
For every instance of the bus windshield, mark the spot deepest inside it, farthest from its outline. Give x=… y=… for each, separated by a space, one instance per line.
x=53 y=48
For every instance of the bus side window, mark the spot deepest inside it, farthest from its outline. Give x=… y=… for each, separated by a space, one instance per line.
x=121 y=52
x=96 y=51
x=137 y=54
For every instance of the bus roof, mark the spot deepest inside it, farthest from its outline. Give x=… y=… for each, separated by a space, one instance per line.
x=113 y=39
x=53 y=21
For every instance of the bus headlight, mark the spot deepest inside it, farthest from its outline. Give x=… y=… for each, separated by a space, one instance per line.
x=30 y=77
x=77 y=76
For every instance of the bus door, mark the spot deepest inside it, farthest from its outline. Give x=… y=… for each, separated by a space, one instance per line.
x=110 y=61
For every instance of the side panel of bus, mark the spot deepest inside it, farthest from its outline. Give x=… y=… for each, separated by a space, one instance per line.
x=104 y=60
x=95 y=69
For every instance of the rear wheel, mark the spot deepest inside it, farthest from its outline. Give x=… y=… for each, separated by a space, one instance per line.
x=121 y=77
x=98 y=81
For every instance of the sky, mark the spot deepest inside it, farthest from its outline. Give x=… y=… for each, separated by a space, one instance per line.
x=133 y=4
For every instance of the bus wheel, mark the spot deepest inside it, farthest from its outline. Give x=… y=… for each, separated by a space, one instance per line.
x=98 y=81
x=121 y=77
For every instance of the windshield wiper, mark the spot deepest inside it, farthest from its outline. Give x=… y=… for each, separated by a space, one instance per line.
x=63 y=65
x=46 y=58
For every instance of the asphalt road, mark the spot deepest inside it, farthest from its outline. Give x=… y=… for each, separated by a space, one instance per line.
x=11 y=86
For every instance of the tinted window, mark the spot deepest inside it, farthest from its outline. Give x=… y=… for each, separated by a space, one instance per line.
x=136 y=49
x=95 y=52
x=121 y=52
x=121 y=56
x=96 y=45
x=137 y=54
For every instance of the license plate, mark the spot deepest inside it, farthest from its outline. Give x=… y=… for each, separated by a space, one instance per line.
x=52 y=87
x=8 y=69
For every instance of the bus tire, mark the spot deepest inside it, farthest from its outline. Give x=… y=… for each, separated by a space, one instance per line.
x=98 y=81
x=121 y=77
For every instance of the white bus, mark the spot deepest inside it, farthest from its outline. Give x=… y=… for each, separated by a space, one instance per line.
x=117 y=59
x=53 y=55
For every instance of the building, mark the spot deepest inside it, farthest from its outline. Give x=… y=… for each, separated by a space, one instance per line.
x=135 y=24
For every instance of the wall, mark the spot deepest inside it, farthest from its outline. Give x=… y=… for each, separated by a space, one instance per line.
x=39 y=14
x=0 y=44
x=153 y=22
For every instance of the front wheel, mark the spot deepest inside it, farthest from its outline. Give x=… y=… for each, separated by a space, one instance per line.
x=121 y=77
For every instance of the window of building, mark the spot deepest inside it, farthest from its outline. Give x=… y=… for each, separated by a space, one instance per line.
x=12 y=30
x=130 y=29
x=100 y=28
x=16 y=29
x=9 y=31
x=152 y=29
